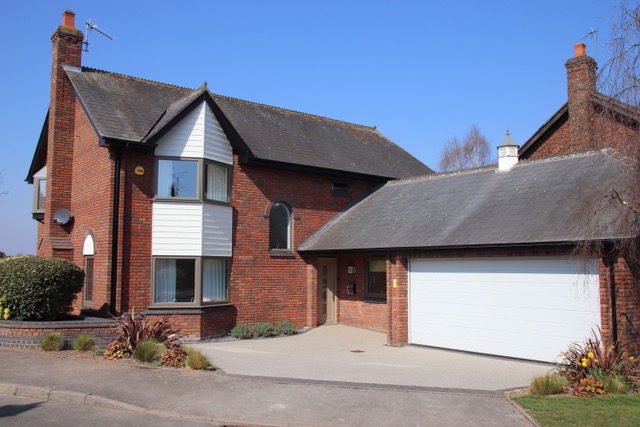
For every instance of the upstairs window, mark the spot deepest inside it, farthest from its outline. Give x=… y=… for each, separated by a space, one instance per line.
x=280 y=227
x=41 y=194
x=194 y=179
x=216 y=185
x=178 y=178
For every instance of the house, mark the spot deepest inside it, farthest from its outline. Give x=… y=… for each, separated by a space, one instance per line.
x=183 y=202
x=221 y=211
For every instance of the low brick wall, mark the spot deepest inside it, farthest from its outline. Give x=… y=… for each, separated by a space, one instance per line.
x=23 y=334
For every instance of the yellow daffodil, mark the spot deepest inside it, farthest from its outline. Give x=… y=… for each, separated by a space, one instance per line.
x=584 y=363
x=632 y=358
x=590 y=355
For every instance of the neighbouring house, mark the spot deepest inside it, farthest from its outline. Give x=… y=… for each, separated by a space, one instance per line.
x=221 y=211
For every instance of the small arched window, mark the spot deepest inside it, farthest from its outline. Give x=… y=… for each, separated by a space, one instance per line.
x=280 y=227
x=88 y=250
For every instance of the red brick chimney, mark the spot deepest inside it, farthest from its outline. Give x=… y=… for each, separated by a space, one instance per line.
x=67 y=50
x=581 y=83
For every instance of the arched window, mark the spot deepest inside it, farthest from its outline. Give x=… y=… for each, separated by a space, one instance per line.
x=280 y=227
x=88 y=250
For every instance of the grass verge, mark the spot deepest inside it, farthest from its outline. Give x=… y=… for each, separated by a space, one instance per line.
x=566 y=411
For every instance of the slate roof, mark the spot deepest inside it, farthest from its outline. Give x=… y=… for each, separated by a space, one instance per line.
x=539 y=202
x=124 y=108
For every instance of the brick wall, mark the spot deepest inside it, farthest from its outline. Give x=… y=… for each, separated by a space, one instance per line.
x=271 y=288
x=353 y=310
x=627 y=303
x=19 y=334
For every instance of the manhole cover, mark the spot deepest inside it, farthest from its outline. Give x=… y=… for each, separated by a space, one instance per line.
x=357 y=351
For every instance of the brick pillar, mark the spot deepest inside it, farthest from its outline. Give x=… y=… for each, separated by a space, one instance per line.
x=398 y=301
x=67 y=50
x=581 y=83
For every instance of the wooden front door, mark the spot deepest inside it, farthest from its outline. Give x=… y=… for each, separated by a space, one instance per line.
x=326 y=290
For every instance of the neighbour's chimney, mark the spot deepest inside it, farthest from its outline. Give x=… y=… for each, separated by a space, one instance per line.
x=507 y=154
x=581 y=83
x=67 y=51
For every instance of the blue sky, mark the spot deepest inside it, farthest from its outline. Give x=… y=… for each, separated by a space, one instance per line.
x=421 y=71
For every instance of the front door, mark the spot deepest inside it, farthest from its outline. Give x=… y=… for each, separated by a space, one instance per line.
x=326 y=290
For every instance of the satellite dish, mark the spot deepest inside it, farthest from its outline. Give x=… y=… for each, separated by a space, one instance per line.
x=62 y=216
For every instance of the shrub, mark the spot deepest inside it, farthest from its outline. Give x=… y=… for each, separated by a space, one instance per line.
x=596 y=359
x=51 y=342
x=241 y=331
x=83 y=343
x=197 y=360
x=548 y=384
x=616 y=384
x=286 y=327
x=590 y=386
x=39 y=288
x=116 y=350
x=133 y=328
x=148 y=350
x=263 y=329
x=174 y=357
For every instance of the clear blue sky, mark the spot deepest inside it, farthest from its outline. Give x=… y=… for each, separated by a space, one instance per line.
x=421 y=71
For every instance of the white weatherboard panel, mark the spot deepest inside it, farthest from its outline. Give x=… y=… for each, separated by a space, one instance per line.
x=177 y=229
x=198 y=135
x=524 y=307
x=216 y=144
x=186 y=138
x=217 y=230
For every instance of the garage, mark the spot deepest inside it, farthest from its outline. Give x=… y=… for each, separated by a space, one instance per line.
x=522 y=307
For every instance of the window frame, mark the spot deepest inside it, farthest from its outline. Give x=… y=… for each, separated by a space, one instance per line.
x=201 y=180
x=289 y=247
x=198 y=284
x=88 y=278
x=375 y=296
x=36 y=195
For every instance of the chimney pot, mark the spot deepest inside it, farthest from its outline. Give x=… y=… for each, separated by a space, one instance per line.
x=579 y=49
x=68 y=19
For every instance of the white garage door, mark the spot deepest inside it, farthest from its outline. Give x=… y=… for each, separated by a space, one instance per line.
x=530 y=308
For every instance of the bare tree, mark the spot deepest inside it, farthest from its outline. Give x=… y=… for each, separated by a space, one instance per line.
x=472 y=152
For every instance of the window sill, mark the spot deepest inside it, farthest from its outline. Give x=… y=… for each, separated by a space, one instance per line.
x=185 y=309
x=282 y=253
x=375 y=300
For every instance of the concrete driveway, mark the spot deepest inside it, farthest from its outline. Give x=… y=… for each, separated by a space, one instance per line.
x=342 y=354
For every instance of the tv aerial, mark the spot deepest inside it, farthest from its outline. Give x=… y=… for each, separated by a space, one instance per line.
x=88 y=27
x=593 y=33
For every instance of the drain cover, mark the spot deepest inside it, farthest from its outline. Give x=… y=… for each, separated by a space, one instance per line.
x=357 y=351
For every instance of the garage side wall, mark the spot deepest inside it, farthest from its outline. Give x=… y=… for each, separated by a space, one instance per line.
x=627 y=306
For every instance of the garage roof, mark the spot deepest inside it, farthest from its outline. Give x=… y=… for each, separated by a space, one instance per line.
x=553 y=201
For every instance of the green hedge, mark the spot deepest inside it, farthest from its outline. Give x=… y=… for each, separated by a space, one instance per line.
x=39 y=288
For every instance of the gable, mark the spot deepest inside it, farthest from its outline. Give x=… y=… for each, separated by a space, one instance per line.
x=197 y=135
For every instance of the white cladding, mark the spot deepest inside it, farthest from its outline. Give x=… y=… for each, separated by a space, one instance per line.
x=198 y=135
x=191 y=229
x=524 y=307
x=187 y=228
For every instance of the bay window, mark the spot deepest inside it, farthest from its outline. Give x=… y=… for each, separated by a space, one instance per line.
x=190 y=281
x=194 y=179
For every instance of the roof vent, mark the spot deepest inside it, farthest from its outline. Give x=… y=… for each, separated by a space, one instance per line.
x=507 y=154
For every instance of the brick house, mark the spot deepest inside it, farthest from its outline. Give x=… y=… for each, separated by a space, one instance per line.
x=184 y=202
x=223 y=211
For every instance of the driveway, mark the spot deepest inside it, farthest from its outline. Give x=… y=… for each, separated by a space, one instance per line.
x=342 y=354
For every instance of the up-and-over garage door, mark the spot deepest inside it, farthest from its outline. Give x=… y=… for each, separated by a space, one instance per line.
x=530 y=308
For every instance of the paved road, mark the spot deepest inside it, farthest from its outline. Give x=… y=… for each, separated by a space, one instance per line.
x=23 y=411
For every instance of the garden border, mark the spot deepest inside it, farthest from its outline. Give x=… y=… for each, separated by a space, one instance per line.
x=26 y=334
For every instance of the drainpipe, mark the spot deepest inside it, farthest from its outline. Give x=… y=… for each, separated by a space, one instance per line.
x=115 y=230
x=610 y=262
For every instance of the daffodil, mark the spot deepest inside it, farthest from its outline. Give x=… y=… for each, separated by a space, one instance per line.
x=632 y=358
x=590 y=355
